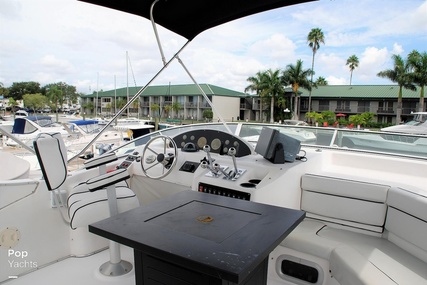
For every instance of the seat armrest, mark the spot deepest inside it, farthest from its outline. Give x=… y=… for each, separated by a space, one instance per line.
x=100 y=160
x=107 y=179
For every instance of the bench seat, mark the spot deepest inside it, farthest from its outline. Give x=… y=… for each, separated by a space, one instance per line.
x=390 y=248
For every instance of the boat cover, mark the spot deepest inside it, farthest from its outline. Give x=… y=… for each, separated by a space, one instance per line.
x=188 y=18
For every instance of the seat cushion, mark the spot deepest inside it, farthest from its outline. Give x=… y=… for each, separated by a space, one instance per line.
x=85 y=207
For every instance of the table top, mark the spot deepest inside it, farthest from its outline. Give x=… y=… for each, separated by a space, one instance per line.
x=214 y=235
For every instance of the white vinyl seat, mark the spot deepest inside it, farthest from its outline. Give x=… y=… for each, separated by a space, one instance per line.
x=91 y=200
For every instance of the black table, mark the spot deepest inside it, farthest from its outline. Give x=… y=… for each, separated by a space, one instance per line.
x=199 y=238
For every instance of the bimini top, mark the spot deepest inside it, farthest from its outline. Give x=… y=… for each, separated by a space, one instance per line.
x=189 y=18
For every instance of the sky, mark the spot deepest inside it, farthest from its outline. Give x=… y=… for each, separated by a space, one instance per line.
x=87 y=46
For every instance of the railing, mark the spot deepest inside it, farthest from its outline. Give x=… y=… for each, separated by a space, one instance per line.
x=363 y=109
x=385 y=111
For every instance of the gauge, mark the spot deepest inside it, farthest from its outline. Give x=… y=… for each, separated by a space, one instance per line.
x=215 y=144
x=226 y=142
x=201 y=142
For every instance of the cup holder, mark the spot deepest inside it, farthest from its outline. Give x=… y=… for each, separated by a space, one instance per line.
x=248 y=185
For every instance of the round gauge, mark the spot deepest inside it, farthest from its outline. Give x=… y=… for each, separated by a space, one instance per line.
x=192 y=138
x=236 y=144
x=184 y=137
x=226 y=142
x=201 y=142
x=215 y=144
x=182 y=144
x=225 y=150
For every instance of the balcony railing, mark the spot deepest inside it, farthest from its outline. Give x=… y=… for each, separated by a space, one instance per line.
x=385 y=111
x=245 y=106
x=324 y=108
x=363 y=109
x=348 y=110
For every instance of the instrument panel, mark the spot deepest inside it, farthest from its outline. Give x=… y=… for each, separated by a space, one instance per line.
x=220 y=142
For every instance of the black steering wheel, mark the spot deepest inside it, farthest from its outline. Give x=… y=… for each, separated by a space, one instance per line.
x=159 y=157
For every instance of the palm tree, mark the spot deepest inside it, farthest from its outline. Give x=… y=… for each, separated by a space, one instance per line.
x=314 y=38
x=418 y=64
x=297 y=77
x=272 y=88
x=256 y=85
x=321 y=81
x=401 y=75
x=176 y=106
x=352 y=63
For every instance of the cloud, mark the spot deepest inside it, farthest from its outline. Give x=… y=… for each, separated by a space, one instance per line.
x=397 y=49
x=61 y=66
x=277 y=47
x=86 y=44
x=10 y=9
x=332 y=80
x=372 y=61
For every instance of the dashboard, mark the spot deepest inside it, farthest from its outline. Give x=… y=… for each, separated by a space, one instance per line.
x=218 y=141
x=210 y=161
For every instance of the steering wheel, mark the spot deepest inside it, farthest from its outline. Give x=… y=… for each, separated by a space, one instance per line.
x=156 y=160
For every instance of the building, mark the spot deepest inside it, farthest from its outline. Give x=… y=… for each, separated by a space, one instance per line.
x=356 y=99
x=169 y=101
x=233 y=105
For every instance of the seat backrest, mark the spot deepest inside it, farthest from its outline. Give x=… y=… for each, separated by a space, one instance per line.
x=344 y=203
x=52 y=156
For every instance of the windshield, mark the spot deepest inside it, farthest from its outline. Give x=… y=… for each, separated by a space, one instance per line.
x=341 y=139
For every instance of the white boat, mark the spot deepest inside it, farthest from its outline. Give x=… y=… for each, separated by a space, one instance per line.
x=81 y=132
x=26 y=128
x=365 y=208
x=417 y=125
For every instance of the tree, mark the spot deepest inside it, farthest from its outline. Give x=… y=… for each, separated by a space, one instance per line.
x=352 y=63
x=35 y=101
x=297 y=77
x=167 y=109
x=69 y=92
x=314 y=38
x=176 y=106
x=12 y=104
x=321 y=81
x=19 y=89
x=208 y=114
x=401 y=75
x=55 y=96
x=3 y=90
x=154 y=109
x=256 y=85
x=272 y=88
x=418 y=64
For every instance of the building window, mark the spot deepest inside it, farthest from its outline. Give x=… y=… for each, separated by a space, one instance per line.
x=408 y=107
x=323 y=105
x=363 y=106
x=343 y=106
x=385 y=107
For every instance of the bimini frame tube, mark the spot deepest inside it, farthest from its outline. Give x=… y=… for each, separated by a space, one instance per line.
x=136 y=96
x=185 y=68
x=204 y=95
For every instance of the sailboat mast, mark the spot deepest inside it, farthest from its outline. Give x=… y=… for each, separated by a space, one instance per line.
x=127 y=80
